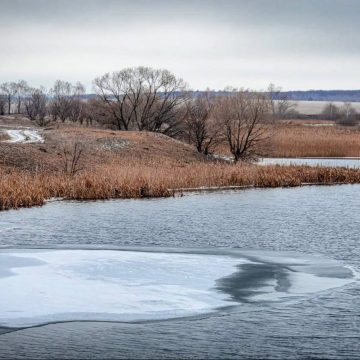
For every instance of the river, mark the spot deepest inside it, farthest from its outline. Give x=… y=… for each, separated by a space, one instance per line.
x=259 y=273
x=331 y=162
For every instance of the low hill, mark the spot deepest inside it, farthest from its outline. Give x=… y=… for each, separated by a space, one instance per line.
x=98 y=147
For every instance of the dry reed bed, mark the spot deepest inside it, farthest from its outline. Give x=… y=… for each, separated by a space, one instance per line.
x=306 y=141
x=20 y=189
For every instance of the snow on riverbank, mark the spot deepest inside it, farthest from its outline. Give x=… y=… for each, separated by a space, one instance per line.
x=24 y=136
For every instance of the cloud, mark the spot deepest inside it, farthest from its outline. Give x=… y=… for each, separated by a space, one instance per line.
x=297 y=44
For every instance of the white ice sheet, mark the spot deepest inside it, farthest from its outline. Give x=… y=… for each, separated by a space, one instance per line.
x=108 y=285
x=43 y=286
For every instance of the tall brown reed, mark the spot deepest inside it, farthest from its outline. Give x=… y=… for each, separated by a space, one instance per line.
x=19 y=189
x=312 y=141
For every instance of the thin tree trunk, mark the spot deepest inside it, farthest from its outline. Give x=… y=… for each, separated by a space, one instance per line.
x=9 y=104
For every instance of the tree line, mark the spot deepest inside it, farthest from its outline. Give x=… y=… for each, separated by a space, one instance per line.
x=342 y=115
x=147 y=99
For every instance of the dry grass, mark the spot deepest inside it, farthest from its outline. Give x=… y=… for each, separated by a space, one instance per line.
x=114 y=165
x=309 y=138
x=3 y=136
x=19 y=189
x=138 y=165
x=310 y=141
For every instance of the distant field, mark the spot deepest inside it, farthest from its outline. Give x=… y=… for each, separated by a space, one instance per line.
x=316 y=107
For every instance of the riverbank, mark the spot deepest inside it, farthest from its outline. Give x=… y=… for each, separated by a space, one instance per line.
x=78 y=163
x=24 y=189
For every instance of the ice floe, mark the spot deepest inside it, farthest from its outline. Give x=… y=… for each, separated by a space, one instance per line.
x=43 y=286
x=48 y=286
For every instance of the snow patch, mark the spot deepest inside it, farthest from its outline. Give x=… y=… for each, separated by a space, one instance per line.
x=24 y=136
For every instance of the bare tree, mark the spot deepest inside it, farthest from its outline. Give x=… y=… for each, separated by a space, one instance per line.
x=61 y=100
x=286 y=108
x=274 y=93
x=348 y=115
x=330 y=111
x=71 y=157
x=244 y=116
x=142 y=98
x=3 y=102
x=202 y=128
x=21 y=89
x=8 y=89
x=161 y=100
x=95 y=111
x=36 y=106
x=77 y=105
x=67 y=102
x=281 y=106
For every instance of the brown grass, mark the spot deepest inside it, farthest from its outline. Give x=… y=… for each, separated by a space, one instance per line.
x=19 y=189
x=3 y=136
x=309 y=141
x=309 y=138
x=138 y=165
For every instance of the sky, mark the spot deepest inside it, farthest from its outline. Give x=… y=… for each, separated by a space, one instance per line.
x=295 y=44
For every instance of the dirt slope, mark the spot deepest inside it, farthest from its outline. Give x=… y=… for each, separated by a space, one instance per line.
x=99 y=147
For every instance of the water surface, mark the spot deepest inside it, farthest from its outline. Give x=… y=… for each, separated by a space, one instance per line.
x=330 y=162
x=269 y=225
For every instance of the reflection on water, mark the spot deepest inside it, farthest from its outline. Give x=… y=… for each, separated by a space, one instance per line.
x=323 y=221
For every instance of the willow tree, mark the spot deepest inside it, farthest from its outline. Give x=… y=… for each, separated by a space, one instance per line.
x=142 y=98
x=202 y=127
x=36 y=106
x=245 y=117
x=66 y=101
x=8 y=91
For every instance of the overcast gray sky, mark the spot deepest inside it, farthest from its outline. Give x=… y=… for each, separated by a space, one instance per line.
x=297 y=44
